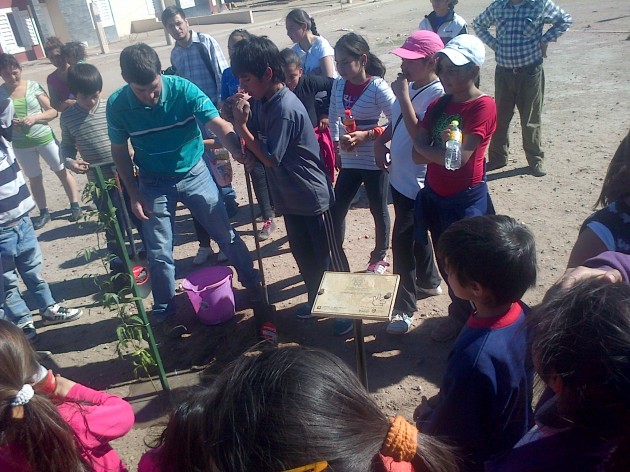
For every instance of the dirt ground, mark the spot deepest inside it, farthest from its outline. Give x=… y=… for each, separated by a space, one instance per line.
x=586 y=114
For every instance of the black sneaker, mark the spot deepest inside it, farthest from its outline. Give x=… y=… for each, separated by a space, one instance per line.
x=29 y=331
x=172 y=329
x=40 y=221
x=75 y=213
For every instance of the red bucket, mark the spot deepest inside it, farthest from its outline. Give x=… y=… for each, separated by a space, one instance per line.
x=210 y=292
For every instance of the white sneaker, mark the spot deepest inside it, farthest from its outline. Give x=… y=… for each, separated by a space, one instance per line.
x=432 y=292
x=399 y=324
x=221 y=257
x=203 y=253
x=378 y=267
x=59 y=314
x=268 y=227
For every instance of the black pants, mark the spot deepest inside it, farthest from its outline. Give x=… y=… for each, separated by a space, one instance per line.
x=261 y=189
x=376 y=188
x=413 y=261
x=312 y=242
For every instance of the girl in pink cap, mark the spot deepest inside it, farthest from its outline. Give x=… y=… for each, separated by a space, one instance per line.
x=416 y=86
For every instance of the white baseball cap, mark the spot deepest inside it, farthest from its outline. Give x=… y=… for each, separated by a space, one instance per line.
x=464 y=49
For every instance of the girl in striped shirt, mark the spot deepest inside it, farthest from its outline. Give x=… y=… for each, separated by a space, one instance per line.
x=362 y=90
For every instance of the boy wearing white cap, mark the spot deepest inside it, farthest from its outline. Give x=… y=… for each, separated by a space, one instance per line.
x=449 y=196
x=416 y=86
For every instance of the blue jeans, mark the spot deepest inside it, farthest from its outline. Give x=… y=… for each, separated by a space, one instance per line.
x=21 y=254
x=199 y=193
x=228 y=192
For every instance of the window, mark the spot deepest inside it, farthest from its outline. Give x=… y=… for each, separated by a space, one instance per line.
x=15 y=29
x=8 y=30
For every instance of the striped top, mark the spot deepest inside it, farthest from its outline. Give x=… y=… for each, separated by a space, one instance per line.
x=86 y=132
x=38 y=134
x=377 y=98
x=15 y=199
x=165 y=137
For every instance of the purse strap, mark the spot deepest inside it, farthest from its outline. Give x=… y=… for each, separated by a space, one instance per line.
x=412 y=99
x=203 y=52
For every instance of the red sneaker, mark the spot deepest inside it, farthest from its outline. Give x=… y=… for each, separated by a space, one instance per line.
x=268 y=333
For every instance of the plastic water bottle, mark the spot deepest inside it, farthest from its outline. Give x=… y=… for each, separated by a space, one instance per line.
x=223 y=167
x=348 y=122
x=453 y=154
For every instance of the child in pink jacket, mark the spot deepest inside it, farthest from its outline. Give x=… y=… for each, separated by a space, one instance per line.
x=49 y=423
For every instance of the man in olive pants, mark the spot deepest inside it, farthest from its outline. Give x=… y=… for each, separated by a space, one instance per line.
x=520 y=46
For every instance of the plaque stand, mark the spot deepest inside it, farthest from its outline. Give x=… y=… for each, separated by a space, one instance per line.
x=358 y=296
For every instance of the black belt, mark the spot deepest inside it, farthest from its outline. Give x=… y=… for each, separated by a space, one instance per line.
x=518 y=70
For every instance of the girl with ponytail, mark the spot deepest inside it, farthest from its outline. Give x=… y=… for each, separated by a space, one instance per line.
x=288 y=410
x=362 y=93
x=52 y=424
x=314 y=51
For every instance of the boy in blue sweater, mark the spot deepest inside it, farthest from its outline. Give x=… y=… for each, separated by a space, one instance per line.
x=484 y=404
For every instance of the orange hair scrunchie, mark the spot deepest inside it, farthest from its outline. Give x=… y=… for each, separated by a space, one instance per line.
x=401 y=442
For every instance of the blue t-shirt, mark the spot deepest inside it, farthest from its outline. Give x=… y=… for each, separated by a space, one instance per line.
x=484 y=404
x=166 y=138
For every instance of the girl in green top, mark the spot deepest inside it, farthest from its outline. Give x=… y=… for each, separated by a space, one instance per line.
x=32 y=137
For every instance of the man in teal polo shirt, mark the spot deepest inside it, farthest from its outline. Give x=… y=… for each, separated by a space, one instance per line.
x=157 y=113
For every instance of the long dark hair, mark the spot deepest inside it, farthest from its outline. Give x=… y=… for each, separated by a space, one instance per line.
x=280 y=409
x=182 y=444
x=355 y=46
x=40 y=435
x=582 y=335
x=617 y=181
x=300 y=17
x=285 y=408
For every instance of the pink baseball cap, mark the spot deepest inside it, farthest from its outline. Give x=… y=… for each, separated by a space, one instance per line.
x=419 y=45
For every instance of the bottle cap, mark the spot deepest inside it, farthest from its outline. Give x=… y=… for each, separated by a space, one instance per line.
x=348 y=112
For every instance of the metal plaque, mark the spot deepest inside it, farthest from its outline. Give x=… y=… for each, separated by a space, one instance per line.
x=360 y=296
